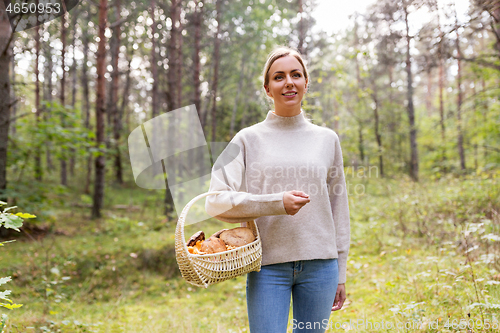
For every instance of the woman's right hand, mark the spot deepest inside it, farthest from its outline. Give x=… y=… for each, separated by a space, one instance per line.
x=294 y=201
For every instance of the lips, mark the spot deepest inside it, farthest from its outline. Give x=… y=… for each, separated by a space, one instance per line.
x=290 y=93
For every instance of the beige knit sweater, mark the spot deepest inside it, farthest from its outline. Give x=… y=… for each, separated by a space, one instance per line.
x=277 y=155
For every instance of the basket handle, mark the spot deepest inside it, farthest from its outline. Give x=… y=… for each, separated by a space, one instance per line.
x=179 y=233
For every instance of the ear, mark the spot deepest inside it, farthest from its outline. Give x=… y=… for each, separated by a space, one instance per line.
x=268 y=92
x=307 y=81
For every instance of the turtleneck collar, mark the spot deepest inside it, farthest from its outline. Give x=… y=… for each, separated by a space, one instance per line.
x=288 y=123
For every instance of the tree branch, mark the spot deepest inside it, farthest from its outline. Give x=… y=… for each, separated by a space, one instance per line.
x=117 y=23
x=479 y=61
x=16 y=117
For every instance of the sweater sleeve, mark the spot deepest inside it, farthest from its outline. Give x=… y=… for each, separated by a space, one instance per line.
x=340 y=208
x=236 y=205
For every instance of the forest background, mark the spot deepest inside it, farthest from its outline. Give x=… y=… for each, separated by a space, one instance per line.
x=417 y=112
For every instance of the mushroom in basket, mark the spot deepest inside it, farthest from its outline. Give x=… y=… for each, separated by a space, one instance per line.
x=222 y=240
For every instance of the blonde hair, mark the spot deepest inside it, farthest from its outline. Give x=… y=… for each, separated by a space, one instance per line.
x=280 y=52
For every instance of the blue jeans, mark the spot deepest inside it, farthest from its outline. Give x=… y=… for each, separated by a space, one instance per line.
x=312 y=285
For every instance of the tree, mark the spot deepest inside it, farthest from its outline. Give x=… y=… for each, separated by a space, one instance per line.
x=405 y=5
x=197 y=19
x=460 y=143
x=5 y=102
x=113 y=114
x=378 y=137
x=38 y=157
x=492 y=7
x=47 y=95
x=216 y=60
x=72 y=157
x=100 y=111
x=174 y=92
x=86 y=99
x=62 y=160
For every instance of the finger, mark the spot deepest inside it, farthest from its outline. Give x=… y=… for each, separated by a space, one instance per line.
x=337 y=305
x=302 y=201
x=341 y=304
x=341 y=301
x=300 y=194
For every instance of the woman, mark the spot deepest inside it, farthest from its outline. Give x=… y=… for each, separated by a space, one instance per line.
x=288 y=176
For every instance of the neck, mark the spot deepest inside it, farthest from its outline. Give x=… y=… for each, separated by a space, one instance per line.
x=279 y=122
x=283 y=112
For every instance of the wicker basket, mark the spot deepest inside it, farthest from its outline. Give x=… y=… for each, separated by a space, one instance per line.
x=207 y=269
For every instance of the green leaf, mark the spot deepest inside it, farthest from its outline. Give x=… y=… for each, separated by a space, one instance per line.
x=25 y=215
x=11 y=306
x=7 y=209
x=5 y=242
x=4 y=280
x=11 y=221
x=4 y=294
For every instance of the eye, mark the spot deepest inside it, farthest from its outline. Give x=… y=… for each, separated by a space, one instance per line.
x=277 y=77
x=297 y=75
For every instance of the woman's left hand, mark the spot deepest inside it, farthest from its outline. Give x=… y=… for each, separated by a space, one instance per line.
x=339 y=297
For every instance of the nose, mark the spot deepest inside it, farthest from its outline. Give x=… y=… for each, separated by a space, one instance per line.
x=289 y=80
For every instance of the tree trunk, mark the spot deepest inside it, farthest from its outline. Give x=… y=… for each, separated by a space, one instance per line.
x=13 y=96
x=496 y=19
x=72 y=153
x=360 y=143
x=336 y=106
x=119 y=122
x=301 y=29
x=48 y=97
x=86 y=106
x=359 y=87
x=174 y=85
x=126 y=92
x=460 y=143
x=484 y=103
x=154 y=65
x=154 y=141
x=410 y=108
x=378 y=137
x=5 y=102
x=115 y=78
x=179 y=59
x=64 y=171
x=197 y=18
x=206 y=107
x=216 y=69
x=240 y=87
x=441 y=89
x=392 y=120
x=428 y=95
x=38 y=156
x=100 y=111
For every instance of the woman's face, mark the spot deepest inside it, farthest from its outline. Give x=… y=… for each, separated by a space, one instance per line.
x=287 y=84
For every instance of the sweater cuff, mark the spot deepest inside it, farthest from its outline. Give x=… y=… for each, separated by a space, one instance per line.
x=342 y=262
x=270 y=204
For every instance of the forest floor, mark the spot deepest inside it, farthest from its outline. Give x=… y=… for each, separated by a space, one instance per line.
x=424 y=257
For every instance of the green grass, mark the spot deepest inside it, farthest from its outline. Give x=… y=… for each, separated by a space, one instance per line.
x=419 y=252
